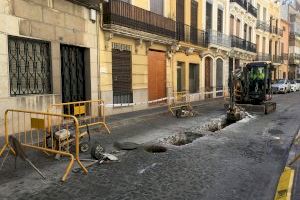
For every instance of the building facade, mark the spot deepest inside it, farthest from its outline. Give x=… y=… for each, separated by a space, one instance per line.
x=269 y=33
x=243 y=19
x=283 y=69
x=215 y=59
x=190 y=43
x=290 y=13
x=135 y=52
x=48 y=53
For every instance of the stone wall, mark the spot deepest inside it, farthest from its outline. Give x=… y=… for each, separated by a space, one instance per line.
x=55 y=21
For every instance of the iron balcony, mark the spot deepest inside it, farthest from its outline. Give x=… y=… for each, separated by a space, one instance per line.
x=217 y=38
x=252 y=10
x=190 y=34
x=242 y=3
x=276 y=30
x=285 y=56
x=262 y=26
x=247 y=6
x=263 y=57
x=294 y=58
x=242 y=44
x=277 y=59
x=268 y=57
x=126 y=15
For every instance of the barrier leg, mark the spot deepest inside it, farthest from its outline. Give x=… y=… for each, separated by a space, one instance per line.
x=82 y=167
x=3 y=149
x=69 y=167
x=106 y=127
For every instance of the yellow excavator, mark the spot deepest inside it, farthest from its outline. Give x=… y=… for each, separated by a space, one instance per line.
x=250 y=89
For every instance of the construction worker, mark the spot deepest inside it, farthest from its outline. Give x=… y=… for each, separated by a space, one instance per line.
x=261 y=75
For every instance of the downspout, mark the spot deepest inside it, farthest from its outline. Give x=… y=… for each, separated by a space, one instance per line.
x=98 y=24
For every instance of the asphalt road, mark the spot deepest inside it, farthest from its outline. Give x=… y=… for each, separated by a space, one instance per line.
x=242 y=161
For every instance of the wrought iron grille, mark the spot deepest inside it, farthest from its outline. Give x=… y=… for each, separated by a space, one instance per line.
x=29 y=66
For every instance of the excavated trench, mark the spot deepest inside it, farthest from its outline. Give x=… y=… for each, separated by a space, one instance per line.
x=195 y=133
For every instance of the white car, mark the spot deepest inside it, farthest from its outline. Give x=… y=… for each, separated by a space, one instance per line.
x=281 y=86
x=294 y=86
x=298 y=84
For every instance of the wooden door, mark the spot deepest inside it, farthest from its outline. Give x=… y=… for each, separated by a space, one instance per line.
x=156 y=75
x=208 y=88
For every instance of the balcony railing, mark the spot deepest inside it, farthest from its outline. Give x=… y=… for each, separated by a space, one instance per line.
x=294 y=58
x=252 y=10
x=263 y=57
x=218 y=38
x=190 y=34
x=242 y=44
x=276 y=30
x=285 y=56
x=277 y=59
x=262 y=26
x=124 y=14
x=242 y=3
x=247 y=6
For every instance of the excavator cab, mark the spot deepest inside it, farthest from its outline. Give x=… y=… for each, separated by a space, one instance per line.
x=259 y=76
x=250 y=88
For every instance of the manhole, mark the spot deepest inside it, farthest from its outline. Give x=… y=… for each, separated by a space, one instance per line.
x=183 y=138
x=155 y=149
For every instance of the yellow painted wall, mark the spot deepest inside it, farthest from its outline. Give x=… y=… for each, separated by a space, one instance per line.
x=142 y=4
x=200 y=20
x=182 y=57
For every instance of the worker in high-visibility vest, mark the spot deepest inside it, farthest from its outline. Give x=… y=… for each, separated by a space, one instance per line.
x=261 y=75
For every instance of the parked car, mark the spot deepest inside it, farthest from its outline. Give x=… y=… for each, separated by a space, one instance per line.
x=281 y=86
x=298 y=84
x=294 y=86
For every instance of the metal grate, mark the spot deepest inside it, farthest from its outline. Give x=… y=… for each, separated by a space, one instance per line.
x=29 y=66
x=122 y=76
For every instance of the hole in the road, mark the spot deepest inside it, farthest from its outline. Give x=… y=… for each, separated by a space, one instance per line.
x=275 y=132
x=155 y=149
x=219 y=125
x=183 y=138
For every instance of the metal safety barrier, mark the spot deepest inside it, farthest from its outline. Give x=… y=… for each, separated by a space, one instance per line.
x=46 y=132
x=179 y=99
x=88 y=113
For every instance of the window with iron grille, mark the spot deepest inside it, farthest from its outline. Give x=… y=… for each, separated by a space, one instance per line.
x=29 y=66
x=208 y=16
x=220 y=21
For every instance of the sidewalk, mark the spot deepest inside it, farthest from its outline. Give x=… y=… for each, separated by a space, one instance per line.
x=133 y=117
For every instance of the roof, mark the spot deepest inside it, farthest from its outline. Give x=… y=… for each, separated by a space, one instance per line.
x=93 y=4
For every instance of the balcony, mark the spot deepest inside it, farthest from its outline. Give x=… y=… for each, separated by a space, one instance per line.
x=285 y=56
x=277 y=59
x=188 y=34
x=247 y=6
x=126 y=15
x=252 y=10
x=242 y=3
x=242 y=44
x=275 y=30
x=263 y=57
x=294 y=58
x=218 y=39
x=262 y=26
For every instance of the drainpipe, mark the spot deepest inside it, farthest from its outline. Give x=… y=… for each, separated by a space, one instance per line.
x=98 y=24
